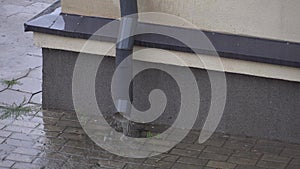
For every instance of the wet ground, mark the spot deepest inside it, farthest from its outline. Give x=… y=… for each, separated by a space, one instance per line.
x=46 y=139
x=56 y=140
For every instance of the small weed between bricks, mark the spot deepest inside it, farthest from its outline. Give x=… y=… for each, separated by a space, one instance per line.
x=17 y=110
x=11 y=83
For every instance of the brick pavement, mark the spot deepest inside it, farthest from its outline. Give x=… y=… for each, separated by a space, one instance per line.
x=41 y=140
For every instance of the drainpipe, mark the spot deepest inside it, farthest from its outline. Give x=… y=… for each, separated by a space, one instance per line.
x=124 y=49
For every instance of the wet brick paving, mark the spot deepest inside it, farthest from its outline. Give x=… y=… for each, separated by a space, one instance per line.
x=49 y=139
x=45 y=139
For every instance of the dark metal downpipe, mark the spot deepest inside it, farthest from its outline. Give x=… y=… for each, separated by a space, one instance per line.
x=124 y=49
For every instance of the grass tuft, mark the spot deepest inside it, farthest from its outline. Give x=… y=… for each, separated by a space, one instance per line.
x=11 y=83
x=15 y=110
x=149 y=134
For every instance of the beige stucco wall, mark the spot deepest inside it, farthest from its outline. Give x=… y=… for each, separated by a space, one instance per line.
x=274 y=19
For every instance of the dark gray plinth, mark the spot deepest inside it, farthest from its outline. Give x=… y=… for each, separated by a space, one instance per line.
x=255 y=106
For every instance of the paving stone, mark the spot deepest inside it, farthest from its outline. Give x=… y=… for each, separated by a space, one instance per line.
x=36 y=73
x=74 y=151
x=46 y=147
x=6 y=122
x=10 y=97
x=166 y=157
x=293 y=167
x=138 y=166
x=295 y=161
x=221 y=165
x=68 y=123
x=52 y=114
x=218 y=150
x=73 y=136
x=5 y=133
x=12 y=8
x=18 y=129
x=54 y=156
x=69 y=165
x=25 y=123
x=18 y=2
x=238 y=145
x=185 y=166
x=244 y=139
x=2 y=140
x=130 y=160
x=52 y=141
x=69 y=116
x=2 y=126
x=191 y=138
x=197 y=147
x=30 y=85
x=159 y=164
x=38 y=6
x=51 y=121
x=21 y=136
x=156 y=146
x=242 y=161
x=37 y=132
x=19 y=143
x=208 y=168
x=5 y=149
x=213 y=156
x=73 y=130
x=96 y=154
x=267 y=149
x=80 y=159
x=146 y=150
x=184 y=152
x=48 y=163
x=110 y=163
x=183 y=145
x=216 y=140
x=3 y=155
x=263 y=142
x=6 y=163
x=50 y=134
x=248 y=167
x=36 y=98
x=193 y=161
x=37 y=120
x=2 y=86
x=20 y=61
x=25 y=166
x=27 y=151
x=290 y=153
x=275 y=158
x=85 y=144
x=20 y=158
x=271 y=165
x=292 y=146
x=246 y=154
x=3 y=168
